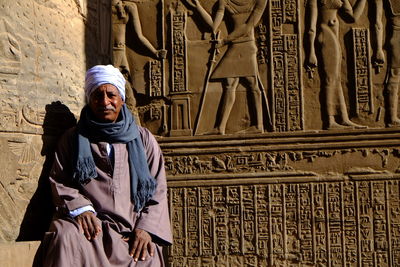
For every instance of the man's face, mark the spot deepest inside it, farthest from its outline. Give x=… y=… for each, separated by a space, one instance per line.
x=106 y=103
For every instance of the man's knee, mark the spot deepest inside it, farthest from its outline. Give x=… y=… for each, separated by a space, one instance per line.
x=63 y=229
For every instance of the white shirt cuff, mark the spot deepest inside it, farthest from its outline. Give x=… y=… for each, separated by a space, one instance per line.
x=78 y=211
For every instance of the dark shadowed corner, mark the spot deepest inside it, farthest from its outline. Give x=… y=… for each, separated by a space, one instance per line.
x=40 y=209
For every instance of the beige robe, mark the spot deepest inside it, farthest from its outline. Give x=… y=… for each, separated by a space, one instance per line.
x=109 y=194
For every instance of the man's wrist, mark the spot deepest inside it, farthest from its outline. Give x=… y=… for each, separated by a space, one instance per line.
x=79 y=211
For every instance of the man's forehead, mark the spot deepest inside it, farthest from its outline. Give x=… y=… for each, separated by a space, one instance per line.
x=106 y=87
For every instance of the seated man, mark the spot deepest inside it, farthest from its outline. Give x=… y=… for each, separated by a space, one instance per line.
x=108 y=184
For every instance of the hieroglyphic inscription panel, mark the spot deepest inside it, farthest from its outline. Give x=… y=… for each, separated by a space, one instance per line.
x=179 y=50
x=155 y=78
x=286 y=225
x=285 y=70
x=362 y=71
x=285 y=201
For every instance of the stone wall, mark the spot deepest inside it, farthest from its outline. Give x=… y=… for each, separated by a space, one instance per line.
x=45 y=49
x=305 y=199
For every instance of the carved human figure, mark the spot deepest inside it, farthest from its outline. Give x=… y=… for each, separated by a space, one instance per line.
x=240 y=60
x=124 y=13
x=325 y=13
x=393 y=81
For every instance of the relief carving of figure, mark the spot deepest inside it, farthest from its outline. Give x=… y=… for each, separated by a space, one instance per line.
x=325 y=13
x=393 y=78
x=240 y=60
x=125 y=13
x=10 y=52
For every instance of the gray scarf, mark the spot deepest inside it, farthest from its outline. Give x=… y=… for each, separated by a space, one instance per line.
x=123 y=131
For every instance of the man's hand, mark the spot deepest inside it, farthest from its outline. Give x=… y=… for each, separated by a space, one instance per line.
x=139 y=244
x=89 y=224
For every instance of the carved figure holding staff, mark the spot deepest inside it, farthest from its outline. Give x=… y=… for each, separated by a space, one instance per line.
x=331 y=54
x=124 y=13
x=239 y=61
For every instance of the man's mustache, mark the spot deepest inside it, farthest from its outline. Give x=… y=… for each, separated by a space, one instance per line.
x=107 y=108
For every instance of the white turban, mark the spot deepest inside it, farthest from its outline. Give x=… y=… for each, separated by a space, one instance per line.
x=104 y=74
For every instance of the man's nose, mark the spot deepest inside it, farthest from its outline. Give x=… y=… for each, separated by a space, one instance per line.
x=105 y=100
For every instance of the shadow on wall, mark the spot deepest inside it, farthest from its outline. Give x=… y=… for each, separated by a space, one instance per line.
x=40 y=209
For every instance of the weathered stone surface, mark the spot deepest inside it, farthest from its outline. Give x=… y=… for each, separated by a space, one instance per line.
x=18 y=253
x=43 y=61
x=302 y=199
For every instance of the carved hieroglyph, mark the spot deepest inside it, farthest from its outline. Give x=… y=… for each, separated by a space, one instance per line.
x=285 y=201
x=285 y=73
x=362 y=72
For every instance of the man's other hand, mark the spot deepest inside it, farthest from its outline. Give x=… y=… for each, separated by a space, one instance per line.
x=89 y=224
x=139 y=244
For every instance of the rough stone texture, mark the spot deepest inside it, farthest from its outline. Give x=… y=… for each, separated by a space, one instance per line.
x=18 y=254
x=304 y=199
x=43 y=58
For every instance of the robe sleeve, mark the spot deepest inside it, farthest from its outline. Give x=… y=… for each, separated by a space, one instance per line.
x=66 y=196
x=155 y=218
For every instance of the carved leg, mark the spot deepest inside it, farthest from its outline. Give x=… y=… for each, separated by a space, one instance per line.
x=332 y=124
x=331 y=56
x=332 y=97
x=393 y=97
x=344 y=113
x=257 y=100
x=228 y=99
x=346 y=122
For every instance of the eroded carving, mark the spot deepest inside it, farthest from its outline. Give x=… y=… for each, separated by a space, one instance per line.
x=21 y=166
x=27 y=118
x=285 y=73
x=362 y=71
x=301 y=224
x=180 y=94
x=282 y=162
x=10 y=54
x=325 y=13
x=125 y=14
x=393 y=81
x=239 y=61
x=179 y=50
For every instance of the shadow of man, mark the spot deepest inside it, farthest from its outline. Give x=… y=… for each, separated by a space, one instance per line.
x=39 y=212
